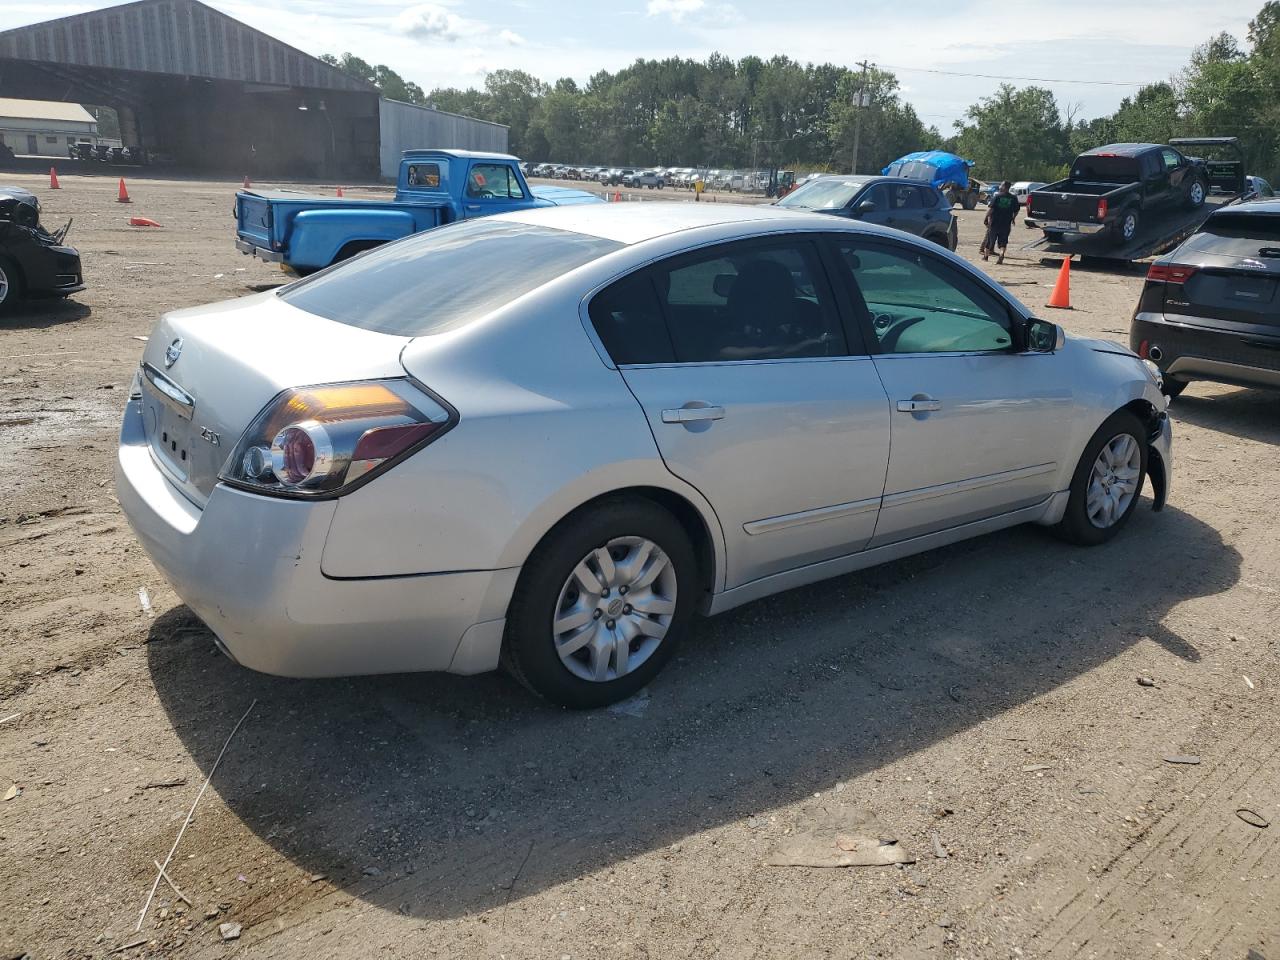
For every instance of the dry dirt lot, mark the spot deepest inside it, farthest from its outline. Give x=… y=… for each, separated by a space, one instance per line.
x=979 y=702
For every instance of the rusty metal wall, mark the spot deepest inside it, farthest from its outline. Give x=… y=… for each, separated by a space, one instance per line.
x=182 y=37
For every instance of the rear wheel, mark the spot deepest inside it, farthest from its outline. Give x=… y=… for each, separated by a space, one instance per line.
x=1127 y=226
x=1107 y=482
x=601 y=604
x=10 y=286
x=970 y=200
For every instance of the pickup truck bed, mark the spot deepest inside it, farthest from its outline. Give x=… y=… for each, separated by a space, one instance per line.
x=1157 y=235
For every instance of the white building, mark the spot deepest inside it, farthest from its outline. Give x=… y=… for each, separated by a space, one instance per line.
x=44 y=127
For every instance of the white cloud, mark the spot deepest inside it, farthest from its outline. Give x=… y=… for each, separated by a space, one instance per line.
x=511 y=37
x=677 y=10
x=696 y=12
x=430 y=21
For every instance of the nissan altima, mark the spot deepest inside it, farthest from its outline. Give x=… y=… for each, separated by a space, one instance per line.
x=547 y=439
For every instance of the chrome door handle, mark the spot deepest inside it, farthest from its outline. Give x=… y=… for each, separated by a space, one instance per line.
x=692 y=414
x=918 y=406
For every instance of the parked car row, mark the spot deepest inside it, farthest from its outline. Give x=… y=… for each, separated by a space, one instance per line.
x=657 y=178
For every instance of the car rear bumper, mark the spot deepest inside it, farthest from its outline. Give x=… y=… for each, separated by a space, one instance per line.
x=261 y=253
x=1184 y=352
x=249 y=567
x=1066 y=226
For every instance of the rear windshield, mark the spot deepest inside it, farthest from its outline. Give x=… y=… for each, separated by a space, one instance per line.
x=913 y=170
x=444 y=278
x=1107 y=169
x=828 y=194
x=1238 y=235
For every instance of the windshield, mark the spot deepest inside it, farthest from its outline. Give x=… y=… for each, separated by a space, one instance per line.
x=825 y=194
x=444 y=278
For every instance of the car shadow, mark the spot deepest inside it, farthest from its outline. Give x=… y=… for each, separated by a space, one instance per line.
x=40 y=314
x=1241 y=412
x=443 y=796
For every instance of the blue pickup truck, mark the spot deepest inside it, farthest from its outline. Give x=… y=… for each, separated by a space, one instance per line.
x=307 y=233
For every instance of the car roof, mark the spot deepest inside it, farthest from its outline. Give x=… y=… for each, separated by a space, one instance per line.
x=631 y=223
x=1266 y=207
x=1121 y=150
x=459 y=154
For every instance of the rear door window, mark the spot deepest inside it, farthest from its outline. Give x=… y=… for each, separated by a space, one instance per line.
x=742 y=301
x=906 y=197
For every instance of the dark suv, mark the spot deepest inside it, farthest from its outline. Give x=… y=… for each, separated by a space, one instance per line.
x=1210 y=310
x=909 y=205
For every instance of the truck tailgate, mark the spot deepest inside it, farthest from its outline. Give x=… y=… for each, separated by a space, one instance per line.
x=253 y=219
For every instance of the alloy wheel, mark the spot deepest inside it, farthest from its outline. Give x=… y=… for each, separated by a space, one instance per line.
x=1197 y=194
x=614 y=609
x=4 y=285
x=1113 y=482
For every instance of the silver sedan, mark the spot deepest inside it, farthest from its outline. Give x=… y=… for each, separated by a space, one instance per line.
x=548 y=439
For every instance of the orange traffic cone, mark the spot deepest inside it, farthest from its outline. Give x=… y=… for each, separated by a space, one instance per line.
x=142 y=222
x=1061 y=296
x=247 y=184
x=53 y=179
x=340 y=193
x=123 y=195
x=617 y=196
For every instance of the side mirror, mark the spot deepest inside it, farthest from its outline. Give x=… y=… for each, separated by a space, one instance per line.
x=866 y=206
x=1043 y=336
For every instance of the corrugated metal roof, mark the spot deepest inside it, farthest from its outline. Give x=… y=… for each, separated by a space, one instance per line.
x=44 y=110
x=178 y=37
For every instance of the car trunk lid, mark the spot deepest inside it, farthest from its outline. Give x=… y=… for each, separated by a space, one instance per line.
x=208 y=371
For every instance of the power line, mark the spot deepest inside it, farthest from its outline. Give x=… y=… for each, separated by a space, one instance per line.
x=1000 y=76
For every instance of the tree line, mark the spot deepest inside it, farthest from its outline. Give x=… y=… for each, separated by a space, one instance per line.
x=754 y=112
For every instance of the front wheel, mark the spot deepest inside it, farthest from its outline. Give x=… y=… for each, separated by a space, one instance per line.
x=601 y=604
x=1107 y=482
x=1195 y=196
x=10 y=286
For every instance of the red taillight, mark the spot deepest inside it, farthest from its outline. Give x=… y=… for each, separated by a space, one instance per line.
x=1143 y=348
x=1170 y=272
x=1102 y=209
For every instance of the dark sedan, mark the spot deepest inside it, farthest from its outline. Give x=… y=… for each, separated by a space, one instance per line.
x=1210 y=310
x=912 y=206
x=33 y=262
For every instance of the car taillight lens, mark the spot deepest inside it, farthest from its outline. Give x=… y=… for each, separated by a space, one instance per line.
x=1170 y=272
x=320 y=441
x=1102 y=209
x=1144 y=349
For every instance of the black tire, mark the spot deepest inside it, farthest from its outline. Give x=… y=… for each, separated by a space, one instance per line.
x=1191 y=194
x=14 y=288
x=1127 y=226
x=941 y=239
x=1054 y=236
x=1173 y=388
x=1075 y=526
x=528 y=648
x=969 y=201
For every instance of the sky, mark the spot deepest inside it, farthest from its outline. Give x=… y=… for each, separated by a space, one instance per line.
x=454 y=43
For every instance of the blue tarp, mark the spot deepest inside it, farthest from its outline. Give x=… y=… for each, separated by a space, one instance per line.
x=935 y=166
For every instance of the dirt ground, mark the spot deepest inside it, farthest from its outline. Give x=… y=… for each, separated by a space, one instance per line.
x=980 y=703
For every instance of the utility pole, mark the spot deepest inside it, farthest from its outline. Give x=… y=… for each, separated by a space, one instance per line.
x=861 y=99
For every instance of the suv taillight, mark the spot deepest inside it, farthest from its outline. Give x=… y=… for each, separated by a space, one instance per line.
x=1170 y=272
x=1102 y=209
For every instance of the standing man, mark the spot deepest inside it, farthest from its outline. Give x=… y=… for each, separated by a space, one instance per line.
x=1002 y=213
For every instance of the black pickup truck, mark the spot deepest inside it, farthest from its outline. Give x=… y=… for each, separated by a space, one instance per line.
x=1113 y=188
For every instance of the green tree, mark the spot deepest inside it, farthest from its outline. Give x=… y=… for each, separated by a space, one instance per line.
x=1014 y=134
